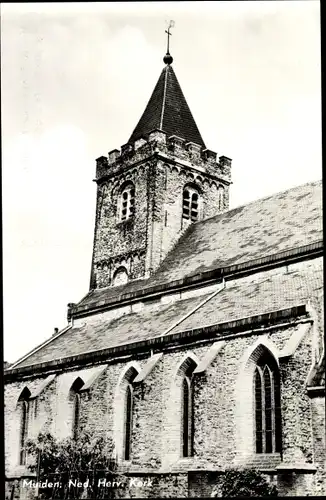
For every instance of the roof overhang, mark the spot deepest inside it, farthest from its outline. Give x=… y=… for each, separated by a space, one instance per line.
x=282 y=318
x=206 y=278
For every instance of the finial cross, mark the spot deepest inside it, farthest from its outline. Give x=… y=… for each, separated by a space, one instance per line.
x=171 y=25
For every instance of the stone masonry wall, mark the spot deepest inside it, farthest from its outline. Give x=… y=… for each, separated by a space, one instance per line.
x=157 y=409
x=168 y=223
x=121 y=243
x=319 y=444
x=141 y=242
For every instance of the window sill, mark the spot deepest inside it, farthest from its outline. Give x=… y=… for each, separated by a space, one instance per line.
x=262 y=461
x=124 y=465
x=299 y=467
x=19 y=471
x=184 y=464
x=123 y=223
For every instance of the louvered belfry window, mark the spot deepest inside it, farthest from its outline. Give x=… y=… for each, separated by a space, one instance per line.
x=267 y=406
x=187 y=417
x=190 y=206
x=127 y=202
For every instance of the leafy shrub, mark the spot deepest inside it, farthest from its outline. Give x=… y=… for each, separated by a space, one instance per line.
x=88 y=458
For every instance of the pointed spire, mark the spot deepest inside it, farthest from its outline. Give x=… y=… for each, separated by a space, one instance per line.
x=167 y=109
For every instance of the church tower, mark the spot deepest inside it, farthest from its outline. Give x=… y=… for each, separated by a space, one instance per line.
x=161 y=181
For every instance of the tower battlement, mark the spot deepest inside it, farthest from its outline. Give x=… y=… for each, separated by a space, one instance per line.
x=172 y=149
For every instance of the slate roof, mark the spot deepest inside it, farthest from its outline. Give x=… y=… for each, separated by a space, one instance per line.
x=168 y=110
x=277 y=223
x=238 y=300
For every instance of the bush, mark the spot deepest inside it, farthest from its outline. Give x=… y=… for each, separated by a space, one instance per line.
x=86 y=459
x=244 y=483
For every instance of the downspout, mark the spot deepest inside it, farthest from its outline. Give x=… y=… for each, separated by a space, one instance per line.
x=196 y=308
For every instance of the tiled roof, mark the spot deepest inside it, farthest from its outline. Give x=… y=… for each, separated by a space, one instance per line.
x=279 y=222
x=238 y=300
x=264 y=227
x=168 y=110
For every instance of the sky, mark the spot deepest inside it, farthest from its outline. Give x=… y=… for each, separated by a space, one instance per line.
x=76 y=78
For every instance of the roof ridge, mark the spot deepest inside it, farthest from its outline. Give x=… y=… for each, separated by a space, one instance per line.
x=164 y=97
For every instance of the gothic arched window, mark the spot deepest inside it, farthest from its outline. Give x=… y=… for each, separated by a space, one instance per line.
x=76 y=415
x=267 y=405
x=124 y=402
x=128 y=421
x=190 y=203
x=187 y=417
x=24 y=406
x=120 y=277
x=75 y=400
x=127 y=202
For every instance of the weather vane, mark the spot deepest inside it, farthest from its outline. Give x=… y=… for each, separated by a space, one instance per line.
x=168 y=58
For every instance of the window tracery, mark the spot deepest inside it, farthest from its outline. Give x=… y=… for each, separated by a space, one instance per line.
x=190 y=203
x=127 y=202
x=267 y=406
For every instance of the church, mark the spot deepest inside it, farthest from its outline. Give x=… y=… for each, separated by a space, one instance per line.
x=199 y=347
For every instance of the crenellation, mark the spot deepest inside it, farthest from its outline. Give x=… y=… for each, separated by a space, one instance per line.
x=209 y=155
x=173 y=148
x=225 y=166
x=157 y=135
x=101 y=166
x=113 y=156
x=127 y=149
x=139 y=143
x=194 y=151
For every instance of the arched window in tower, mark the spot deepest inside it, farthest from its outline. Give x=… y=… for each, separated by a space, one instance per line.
x=24 y=408
x=187 y=417
x=127 y=202
x=128 y=421
x=120 y=276
x=267 y=406
x=190 y=203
